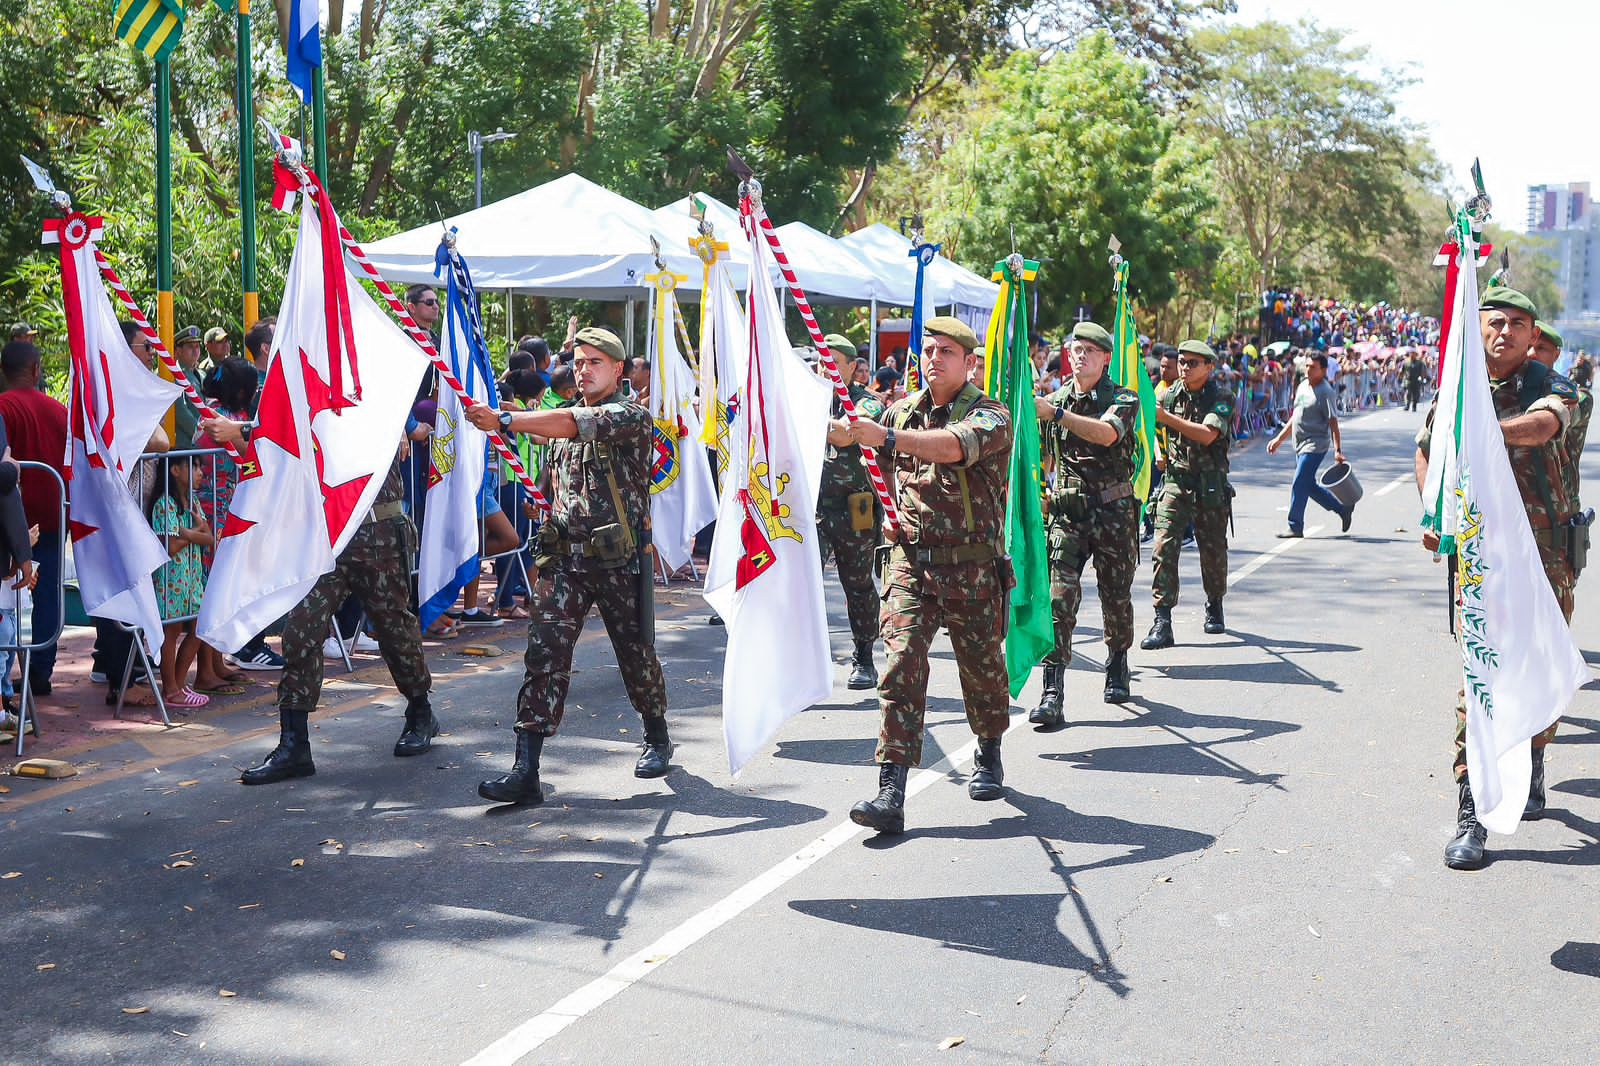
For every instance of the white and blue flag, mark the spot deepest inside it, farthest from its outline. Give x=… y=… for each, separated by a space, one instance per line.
x=304 y=46
x=458 y=450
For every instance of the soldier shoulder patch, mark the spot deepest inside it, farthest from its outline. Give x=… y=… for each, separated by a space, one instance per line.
x=1125 y=396
x=985 y=419
x=1225 y=408
x=1563 y=388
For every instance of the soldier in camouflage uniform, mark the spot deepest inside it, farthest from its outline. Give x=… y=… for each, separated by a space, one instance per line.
x=949 y=446
x=847 y=524
x=1088 y=431
x=1194 y=488
x=590 y=554
x=1534 y=407
x=1547 y=349
x=375 y=566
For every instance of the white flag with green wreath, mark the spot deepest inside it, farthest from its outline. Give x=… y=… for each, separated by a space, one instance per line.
x=1520 y=665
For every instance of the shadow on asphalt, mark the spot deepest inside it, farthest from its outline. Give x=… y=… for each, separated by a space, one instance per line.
x=957 y=921
x=1187 y=755
x=1574 y=853
x=1579 y=958
x=1591 y=734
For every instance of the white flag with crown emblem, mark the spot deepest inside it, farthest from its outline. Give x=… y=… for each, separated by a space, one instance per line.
x=683 y=500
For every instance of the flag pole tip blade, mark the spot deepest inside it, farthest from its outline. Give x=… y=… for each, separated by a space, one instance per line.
x=739 y=167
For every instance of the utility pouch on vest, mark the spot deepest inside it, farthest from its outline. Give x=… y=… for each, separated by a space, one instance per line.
x=863 y=511
x=880 y=562
x=611 y=545
x=1073 y=504
x=1578 y=540
x=551 y=543
x=1212 y=489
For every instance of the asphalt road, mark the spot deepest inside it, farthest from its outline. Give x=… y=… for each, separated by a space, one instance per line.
x=1242 y=865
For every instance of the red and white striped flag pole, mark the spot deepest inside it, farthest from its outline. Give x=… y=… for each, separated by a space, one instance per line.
x=752 y=209
x=309 y=186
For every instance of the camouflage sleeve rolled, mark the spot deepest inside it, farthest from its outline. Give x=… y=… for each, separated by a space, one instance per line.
x=612 y=422
x=1219 y=416
x=1425 y=434
x=985 y=431
x=1123 y=412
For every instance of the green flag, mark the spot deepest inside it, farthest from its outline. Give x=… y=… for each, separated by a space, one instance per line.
x=1127 y=370
x=152 y=26
x=1008 y=377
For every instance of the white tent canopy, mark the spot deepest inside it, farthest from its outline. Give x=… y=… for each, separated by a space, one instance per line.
x=677 y=226
x=566 y=238
x=829 y=272
x=944 y=283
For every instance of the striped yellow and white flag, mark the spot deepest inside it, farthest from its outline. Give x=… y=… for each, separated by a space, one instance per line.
x=151 y=26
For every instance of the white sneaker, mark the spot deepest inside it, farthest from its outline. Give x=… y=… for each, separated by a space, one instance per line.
x=364 y=643
x=330 y=649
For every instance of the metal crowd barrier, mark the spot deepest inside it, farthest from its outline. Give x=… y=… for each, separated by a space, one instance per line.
x=26 y=711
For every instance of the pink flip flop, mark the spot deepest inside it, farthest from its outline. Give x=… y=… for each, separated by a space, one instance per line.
x=188 y=698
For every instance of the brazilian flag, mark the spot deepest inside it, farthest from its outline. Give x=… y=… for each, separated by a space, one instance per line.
x=1008 y=377
x=151 y=26
x=1127 y=370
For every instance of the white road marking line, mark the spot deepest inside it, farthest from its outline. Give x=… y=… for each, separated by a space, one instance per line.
x=1267 y=556
x=1403 y=479
x=535 y=1032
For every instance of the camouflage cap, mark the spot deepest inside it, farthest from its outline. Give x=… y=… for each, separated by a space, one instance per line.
x=840 y=345
x=1504 y=296
x=216 y=333
x=602 y=339
x=187 y=335
x=1552 y=334
x=1200 y=348
x=22 y=330
x=954 y=328
x=1095 y=335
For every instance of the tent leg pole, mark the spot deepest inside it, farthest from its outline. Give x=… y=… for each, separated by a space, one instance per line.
x=872 y=334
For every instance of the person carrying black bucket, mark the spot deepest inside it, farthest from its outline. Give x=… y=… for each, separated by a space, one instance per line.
x=1315 y=428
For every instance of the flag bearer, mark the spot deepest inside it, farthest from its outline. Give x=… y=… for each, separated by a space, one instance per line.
x=950 y=448
x=1089 y=429
x=591 y=553
x=1532 y=405
x=847 y=525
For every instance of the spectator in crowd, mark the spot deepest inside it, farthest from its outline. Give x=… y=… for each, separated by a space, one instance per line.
x=230 y=387
x=186 y=417
x=564 y=356
x=139 y=345
x=1315 y=427
x=218 y=348
x=258 y=347
x=860 y=372
x=886 y=383
x=23 y=331
x=36 y=425
x=525 y=391
x=638 y=375
x=176 y=517
x=539 y=349
x=564 y=383
x=16 y=562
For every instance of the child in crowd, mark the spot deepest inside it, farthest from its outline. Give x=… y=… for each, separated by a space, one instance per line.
x=176 y=518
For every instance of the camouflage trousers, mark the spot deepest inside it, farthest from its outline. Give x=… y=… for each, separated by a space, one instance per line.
x=1563 y=583
x=562 y=597
x=852 y=556
x=1174 y=511
x=1109 y=534
x=909 y=621
x=374 y=568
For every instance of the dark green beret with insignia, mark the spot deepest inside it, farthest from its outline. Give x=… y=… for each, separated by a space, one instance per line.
x=840 y=345
x=1504 y=296
x=1095 y=335
x=954 y=328
x=1552 y=334
x=1200 y=348
x=604 y=340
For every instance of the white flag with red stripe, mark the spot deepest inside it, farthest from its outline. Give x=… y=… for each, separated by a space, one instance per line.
x=115 y=404
x=765 y=573
x=331 y=416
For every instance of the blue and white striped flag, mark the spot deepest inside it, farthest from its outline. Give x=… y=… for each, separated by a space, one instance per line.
x=304 y=46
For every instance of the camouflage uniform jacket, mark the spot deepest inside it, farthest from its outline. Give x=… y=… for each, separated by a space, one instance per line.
x=1084 y=465
x=844 y=473
x=1577 y=434
x=1540 y=471
x=1211 y=406
x=393 y=491
x=581 y=499
x=928 y=495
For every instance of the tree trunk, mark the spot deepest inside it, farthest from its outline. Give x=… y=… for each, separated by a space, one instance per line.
x=383 y=162
x=856 y=204
x=661 y=20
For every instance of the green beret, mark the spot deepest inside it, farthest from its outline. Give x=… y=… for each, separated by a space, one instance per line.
x=603 y=339
x=187 y=335
x=840 y=345
x=1200 y=348
x=1502 y=296
x=1095 y=335
x=954 y=328
x=1552 y=334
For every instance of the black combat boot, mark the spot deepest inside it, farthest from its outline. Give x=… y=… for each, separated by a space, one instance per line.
x=656 y=758
x=1465 y=852
x=292 y=756
x=421 y=728
x=1534 y=810
x=1117 y=683
x=988 y=775
x=1214 y=622
x=886 y=813
x=1048 y=713
x=863 y=674
x=1160 y=635
x=521 y=785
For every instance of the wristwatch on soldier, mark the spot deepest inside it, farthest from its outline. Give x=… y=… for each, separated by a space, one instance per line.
x=1061 y=412
x=888 y=440
x=505 y=421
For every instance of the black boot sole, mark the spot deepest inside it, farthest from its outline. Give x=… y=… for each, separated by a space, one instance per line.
x=517 y=798
x=985 y=791
x=861 y=683
x=1534 y=815
x=890 y=824
x=421 y=746
x=1118 y=695
x=654 y=770
x=272 y=777
x=1046 y=719
x=1155 y=645
x=1214 y=630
